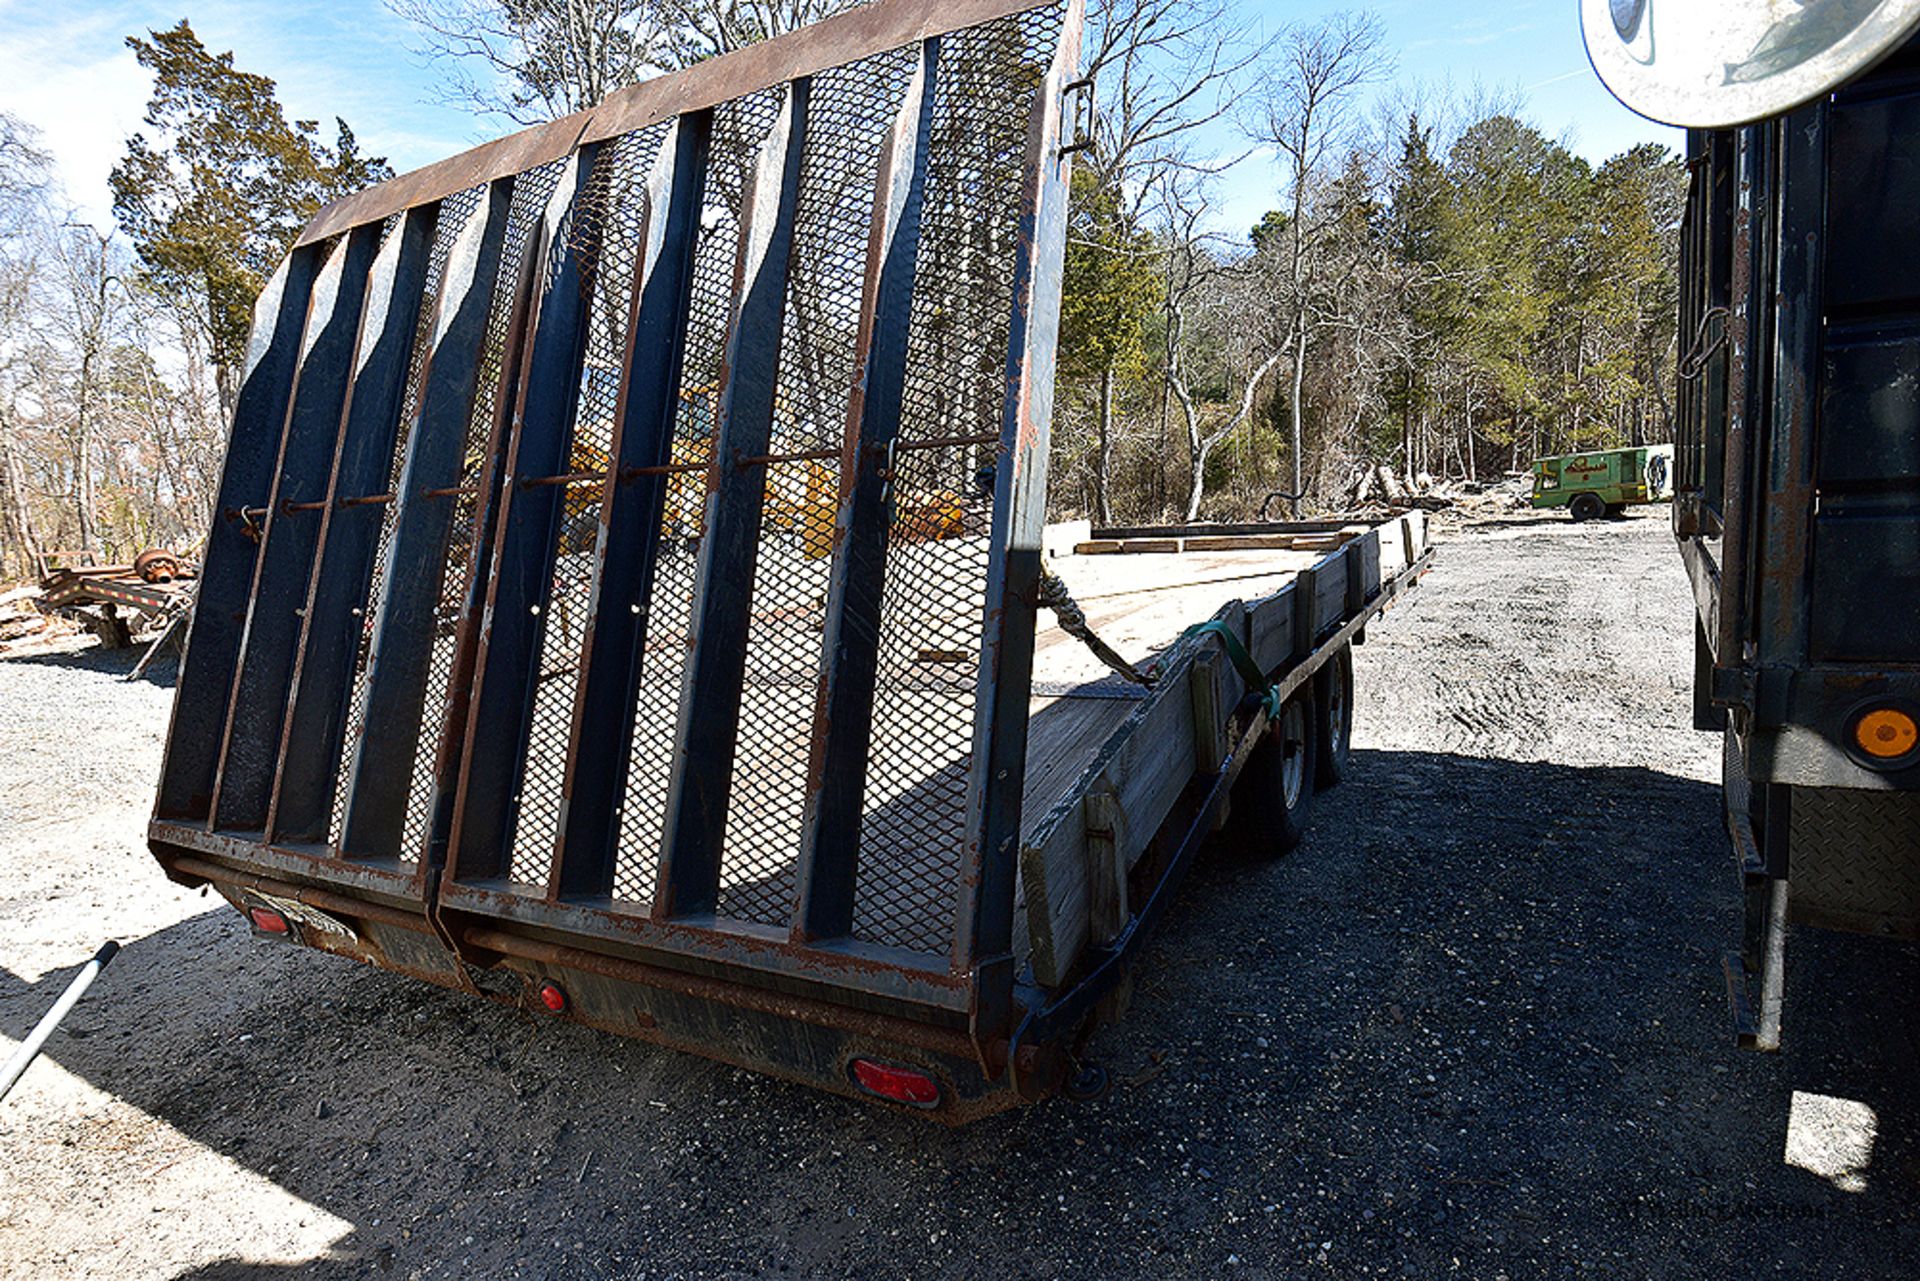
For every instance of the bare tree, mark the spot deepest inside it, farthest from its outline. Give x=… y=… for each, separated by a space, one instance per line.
x=85 y=318
x=535 y=60
x=23 y=183
x=1161 y=69
x=1316 y=71
x=1219 y=330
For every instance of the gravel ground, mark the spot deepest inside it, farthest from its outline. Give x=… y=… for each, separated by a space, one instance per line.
x=1474 y=1027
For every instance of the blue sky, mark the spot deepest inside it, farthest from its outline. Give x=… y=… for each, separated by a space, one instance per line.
x=65 y=68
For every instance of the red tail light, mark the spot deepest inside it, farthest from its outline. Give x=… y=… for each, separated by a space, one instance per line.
x=268 y=921
x=901 y=1084
x=554 y=997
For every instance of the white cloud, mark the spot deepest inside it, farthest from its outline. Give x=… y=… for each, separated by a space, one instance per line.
x=84 y=109
x=71 y=76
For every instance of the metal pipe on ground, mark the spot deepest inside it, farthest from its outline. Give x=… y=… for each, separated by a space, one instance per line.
x=30 y=1048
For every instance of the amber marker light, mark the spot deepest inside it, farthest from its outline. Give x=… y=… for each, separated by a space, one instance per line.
x=1886 y=733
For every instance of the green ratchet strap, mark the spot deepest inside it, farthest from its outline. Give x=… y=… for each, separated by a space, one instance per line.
x=1242 y=661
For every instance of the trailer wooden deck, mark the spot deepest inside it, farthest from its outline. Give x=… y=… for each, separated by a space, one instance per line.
x=1106 y=759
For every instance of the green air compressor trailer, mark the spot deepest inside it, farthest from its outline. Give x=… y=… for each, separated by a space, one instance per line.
x=1602 y=481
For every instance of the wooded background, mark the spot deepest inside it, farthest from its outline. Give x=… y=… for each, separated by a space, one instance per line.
x=1439 y=288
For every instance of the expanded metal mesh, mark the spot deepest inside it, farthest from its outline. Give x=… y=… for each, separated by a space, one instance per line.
x=915 y=819
x=915 y=812
x=738 y=129
x=531 y=191
x=455 y=211
x=850 y=111
x=604 y=235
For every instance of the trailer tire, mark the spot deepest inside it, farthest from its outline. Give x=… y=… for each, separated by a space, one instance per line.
x=1275 y=789
x=1333 y=719
x=1586 y=507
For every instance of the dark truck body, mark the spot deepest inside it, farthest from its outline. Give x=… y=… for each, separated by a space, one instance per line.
x=474 y=691
x=1798 y=507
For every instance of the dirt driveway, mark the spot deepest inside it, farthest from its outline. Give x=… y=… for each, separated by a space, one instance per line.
x=1475 y=1027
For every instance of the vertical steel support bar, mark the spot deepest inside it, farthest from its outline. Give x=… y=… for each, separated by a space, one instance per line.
x=250 y=754
x=1718 y=242
x=843 y=717
x=401 y=648
x=1784 y=506
x=520 y=572
x=226 y=576
x=983 y=943
x=1746 y=348
x=631 y=509
x=696 y=814
x=450 y=745
x=331 y=626
x=1693 y=307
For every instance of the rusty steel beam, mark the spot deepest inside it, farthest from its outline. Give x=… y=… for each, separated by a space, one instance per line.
x=447 y=768
x=627 y=549
x=313 y=896
x=1746 y=322
x=204 y=689
x=330 y=623
x=850 y=650
x=1782 y=509
x=249 y=753
x=696 y=819
x=380 y=764
x=983 y=935
x=857 y=33
x=883 y=973
x=519 y=573
x=803 y=1009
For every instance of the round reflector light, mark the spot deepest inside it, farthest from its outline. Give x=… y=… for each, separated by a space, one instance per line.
x=901 y=1084
x=1886 y=733
x=554 y=997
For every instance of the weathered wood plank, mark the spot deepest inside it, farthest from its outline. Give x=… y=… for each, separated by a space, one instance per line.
x=1209 y=713
x=1145 y=760
x=1271 y=624
x=1106 y=865
x=1144 y=763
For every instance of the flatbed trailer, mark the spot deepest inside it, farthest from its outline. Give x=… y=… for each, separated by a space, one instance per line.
x=96 y=595
x=769 y=757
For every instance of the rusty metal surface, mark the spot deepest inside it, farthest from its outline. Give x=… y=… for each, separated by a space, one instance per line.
x=629 y=528
x=948 y=1040
x=118 y=584
x=887 y=24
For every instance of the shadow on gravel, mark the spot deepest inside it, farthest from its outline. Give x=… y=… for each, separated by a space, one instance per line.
x=1474 y=1025
x=106 y=662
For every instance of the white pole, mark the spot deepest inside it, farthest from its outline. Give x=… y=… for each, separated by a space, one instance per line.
x=30 y=1048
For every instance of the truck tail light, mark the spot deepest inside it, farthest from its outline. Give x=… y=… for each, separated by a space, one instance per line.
x=901 y=1084
x=554 y=997
x=1886 y=734
x=267 y=921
